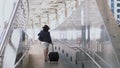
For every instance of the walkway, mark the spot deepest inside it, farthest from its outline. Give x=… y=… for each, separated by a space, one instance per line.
x=36 y=59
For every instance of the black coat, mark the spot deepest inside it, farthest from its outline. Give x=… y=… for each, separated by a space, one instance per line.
x=45 y=35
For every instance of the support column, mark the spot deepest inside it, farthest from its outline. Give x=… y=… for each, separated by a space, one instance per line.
x=77 y=4
x=56 y=15
x=33 y=29
x=40 y=21
x=39 y=18
x=48 y=19
x=65 y=9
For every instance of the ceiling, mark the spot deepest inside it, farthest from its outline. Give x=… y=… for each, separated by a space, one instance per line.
x=40 y=9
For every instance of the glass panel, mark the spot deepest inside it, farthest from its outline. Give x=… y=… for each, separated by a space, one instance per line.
x=84 y=61
x=85 y=29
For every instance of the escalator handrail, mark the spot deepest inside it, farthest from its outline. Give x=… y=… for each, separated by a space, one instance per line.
x=82 y=49
x=26 y=52
x=100 y=58
x=103 y=60
x=84 y=53
x=10 y=24
x=90 y=58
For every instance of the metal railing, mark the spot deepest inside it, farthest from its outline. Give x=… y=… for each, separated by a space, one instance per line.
x=8 y=30
x=14 y=22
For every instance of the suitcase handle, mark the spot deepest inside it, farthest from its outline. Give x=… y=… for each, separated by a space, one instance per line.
x=52 y=48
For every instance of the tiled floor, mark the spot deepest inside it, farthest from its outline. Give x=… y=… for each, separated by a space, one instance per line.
x=36 y=59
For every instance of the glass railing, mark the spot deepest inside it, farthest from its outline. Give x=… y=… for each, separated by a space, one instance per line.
x=17 y=20
x=82 y=58
x=93 y=33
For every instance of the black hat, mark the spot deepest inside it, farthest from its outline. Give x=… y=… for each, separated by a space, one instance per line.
x=46 y=27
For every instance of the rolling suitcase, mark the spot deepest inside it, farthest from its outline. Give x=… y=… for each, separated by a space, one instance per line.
x=53 y=56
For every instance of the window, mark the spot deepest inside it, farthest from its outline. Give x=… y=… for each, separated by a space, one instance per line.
x=118 y=10
x=118 y=4
x=118 y=16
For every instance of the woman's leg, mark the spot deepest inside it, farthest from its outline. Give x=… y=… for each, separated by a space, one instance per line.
x=45 y=50
x=46 y=53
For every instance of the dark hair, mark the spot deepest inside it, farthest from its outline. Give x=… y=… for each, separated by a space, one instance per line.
x=46 y=28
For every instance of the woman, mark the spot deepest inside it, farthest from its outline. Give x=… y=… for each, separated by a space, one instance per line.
x=45 y=38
